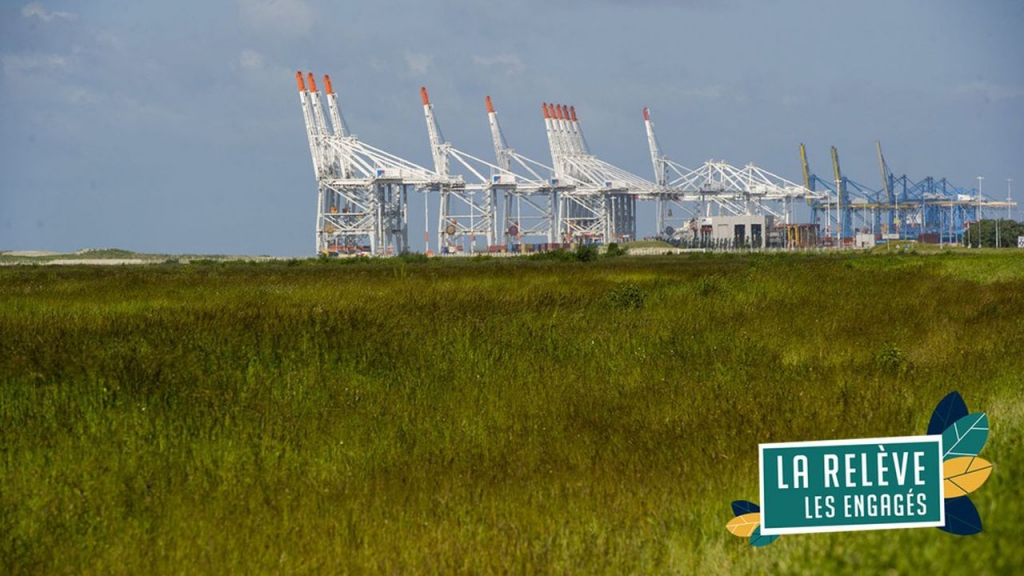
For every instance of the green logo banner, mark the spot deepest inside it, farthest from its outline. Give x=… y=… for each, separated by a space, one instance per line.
x=872 y=483
x=842 y=485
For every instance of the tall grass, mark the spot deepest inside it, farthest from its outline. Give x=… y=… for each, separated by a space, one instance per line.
x=589 y=417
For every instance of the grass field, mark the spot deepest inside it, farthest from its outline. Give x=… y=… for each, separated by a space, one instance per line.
x=485 y=416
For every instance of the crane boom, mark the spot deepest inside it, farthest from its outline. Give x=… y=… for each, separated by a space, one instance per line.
x=839 y=178
x=502 y=153
x=437 y=144
x=337 y=122
x=885 y=172
x=318 y=110
x=307 y=117
x=806 y=168
x=552 y=141
x=835 y=166
x=568 y=145
x=577 y=130
x=332 y=103
x=843 y=225
x=557 y=138
x=660 y=176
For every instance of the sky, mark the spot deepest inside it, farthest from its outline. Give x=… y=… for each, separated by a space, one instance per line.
x=174 y=127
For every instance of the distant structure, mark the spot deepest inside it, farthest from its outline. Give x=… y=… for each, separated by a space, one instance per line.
x=518 y=204
x=718 y=188
x=929 y=210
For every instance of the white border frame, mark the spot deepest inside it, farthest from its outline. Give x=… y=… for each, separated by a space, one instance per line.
x=937 y=438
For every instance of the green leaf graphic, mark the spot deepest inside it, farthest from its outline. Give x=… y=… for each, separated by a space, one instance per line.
x=741 y=507
x=966 y=437
x=756 y=539
x=962 y=517
x=950 y=409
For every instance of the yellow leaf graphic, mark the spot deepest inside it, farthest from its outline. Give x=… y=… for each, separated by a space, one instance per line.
x=964 y=475
x=743 y=526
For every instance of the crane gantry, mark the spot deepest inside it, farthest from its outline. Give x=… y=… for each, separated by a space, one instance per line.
x=717 y=185
x=362 y=191
x=601 y=207
x=533 y=207
x=932 y=209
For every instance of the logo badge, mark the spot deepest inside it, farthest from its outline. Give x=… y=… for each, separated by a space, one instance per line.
x=872 y=483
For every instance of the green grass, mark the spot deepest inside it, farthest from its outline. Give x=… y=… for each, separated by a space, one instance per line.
x=484 y=416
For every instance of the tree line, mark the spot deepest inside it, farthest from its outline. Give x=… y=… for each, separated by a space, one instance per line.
x=1002 y=232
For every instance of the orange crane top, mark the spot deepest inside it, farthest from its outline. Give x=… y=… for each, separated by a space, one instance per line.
x=302 y=85
x=312 y=83
x=327 y=84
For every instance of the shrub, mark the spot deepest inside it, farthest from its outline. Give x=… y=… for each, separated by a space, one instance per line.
x=582 y=253
x=615 y=250
x=413 y=257
x=627 y=297
x=892 y=360
x=708 y=285
x=556 y=255
x=586 y=253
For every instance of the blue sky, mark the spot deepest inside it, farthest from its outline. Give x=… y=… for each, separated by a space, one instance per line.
x=175 y=127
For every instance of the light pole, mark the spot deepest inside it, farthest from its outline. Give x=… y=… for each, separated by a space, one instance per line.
x=978 y=219
x=1009 y=199
x=951 y=241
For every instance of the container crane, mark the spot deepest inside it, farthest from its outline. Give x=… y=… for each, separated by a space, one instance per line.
x=362 y=191
x=602 y=205
x=735 y=191
x=531 y=209
x=466 y=210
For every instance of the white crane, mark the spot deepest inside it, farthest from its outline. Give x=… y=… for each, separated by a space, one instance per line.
x=602 y=204
x=466 y=210
x=363 y=191
x=734 y=191
x=362 y=199
x=531 y=208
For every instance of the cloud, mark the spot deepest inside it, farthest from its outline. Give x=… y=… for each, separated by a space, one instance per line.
x=419 y=64
x=791 y=99
x=251 y=60
x=510 y=62
x=683 y=4
x=259 y=73
x=705 y=93
x=25 y=63
x=281 y=17
x=109 y=41
x=715 y=92
x=989 y=91
x=80 y=96
x=36 y=10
